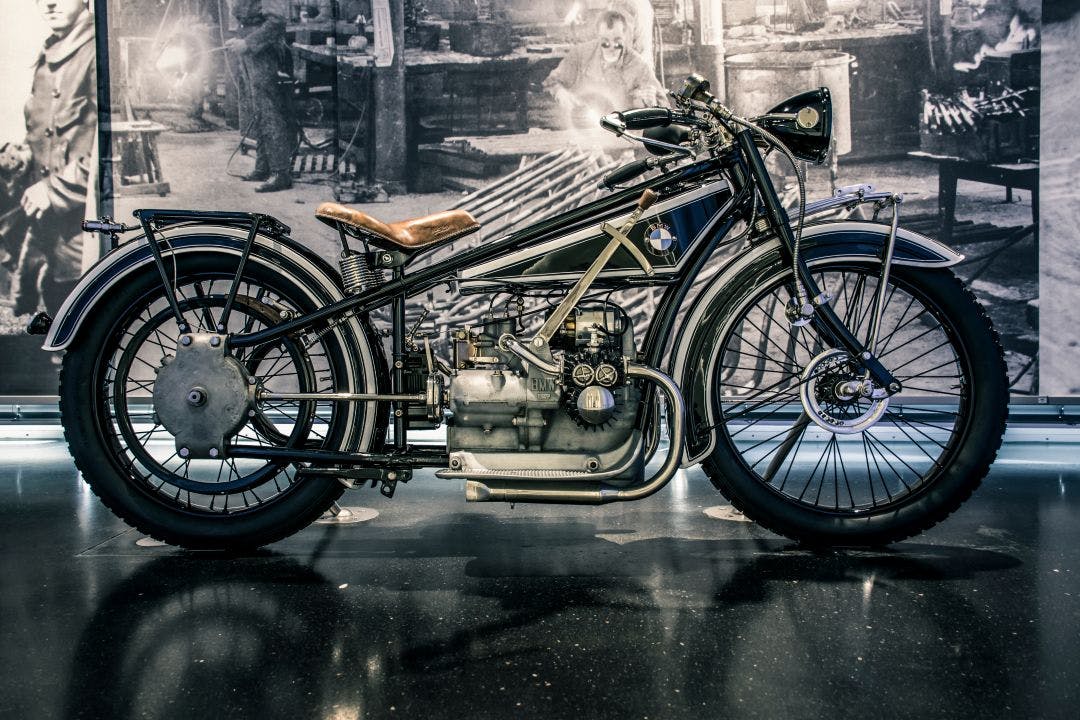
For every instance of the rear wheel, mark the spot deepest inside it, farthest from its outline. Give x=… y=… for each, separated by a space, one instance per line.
x=806 y=457
x=131 y=461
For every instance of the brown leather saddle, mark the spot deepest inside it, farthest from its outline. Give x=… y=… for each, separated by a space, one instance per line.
x=408 y=236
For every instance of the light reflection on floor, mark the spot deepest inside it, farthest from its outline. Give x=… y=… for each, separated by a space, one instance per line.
x=438 y=608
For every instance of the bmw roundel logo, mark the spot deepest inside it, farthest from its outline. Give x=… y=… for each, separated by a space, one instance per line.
x=659 y=238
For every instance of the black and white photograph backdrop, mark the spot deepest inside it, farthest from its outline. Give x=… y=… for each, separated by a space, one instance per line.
x=402 y=108
x=1059 y=268
x=48 y=175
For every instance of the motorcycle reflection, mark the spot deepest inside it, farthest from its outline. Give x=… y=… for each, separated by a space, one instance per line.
x=184 y=637
x=267 y=636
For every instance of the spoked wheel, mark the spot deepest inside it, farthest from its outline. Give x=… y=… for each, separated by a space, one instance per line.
x=805 y=449
x=118 y=436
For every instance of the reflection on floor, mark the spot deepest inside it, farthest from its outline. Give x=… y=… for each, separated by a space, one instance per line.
x=668 y=608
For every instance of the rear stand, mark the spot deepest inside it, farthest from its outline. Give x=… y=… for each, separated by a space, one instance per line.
x=338 y=515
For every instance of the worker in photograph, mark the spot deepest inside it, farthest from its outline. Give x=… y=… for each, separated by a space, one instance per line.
x=602 y=75
x=61 y=129
x=639 y=19
x=639 y=16
x=266 y=93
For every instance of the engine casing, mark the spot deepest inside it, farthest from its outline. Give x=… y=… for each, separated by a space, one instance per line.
x=507 y=416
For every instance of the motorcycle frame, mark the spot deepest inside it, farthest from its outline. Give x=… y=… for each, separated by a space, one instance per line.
x=740 y=164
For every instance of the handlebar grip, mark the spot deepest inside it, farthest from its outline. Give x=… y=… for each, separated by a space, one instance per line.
x=626 y=172
x=101 y=226
x=646 y=118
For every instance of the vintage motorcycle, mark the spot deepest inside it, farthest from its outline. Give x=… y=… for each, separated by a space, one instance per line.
x=223 y=384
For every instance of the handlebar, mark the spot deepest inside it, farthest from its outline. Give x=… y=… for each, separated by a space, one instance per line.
x=647 y=118
x=629 y=171
x=613 y=123
x=624 y=173
x=104 y=226
x=643 y=118
x=667 y=130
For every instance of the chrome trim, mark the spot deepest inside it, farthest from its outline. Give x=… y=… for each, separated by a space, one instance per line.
x=949 y=257
x=561 y=476
x=77 y=298
x=76 y=295
x=847 y=200
x=341 y=397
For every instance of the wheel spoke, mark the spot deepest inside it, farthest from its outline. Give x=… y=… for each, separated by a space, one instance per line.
x=794 y=435
x=208 y=317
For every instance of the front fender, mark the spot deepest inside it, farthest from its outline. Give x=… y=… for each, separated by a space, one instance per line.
x=136 y=256
x=695 y=354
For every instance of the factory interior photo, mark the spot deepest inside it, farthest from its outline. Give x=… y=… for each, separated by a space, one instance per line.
x=503 y=358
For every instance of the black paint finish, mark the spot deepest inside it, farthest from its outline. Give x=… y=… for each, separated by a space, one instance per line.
x=441 y=609
x=686 y=223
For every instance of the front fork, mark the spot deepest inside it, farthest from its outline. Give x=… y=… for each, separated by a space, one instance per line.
x=824 y=318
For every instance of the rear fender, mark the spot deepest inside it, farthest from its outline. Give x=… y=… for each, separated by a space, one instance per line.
x=136 y=257
x=695 y=355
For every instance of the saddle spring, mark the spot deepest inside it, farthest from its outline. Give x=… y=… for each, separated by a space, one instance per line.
x=357 y=273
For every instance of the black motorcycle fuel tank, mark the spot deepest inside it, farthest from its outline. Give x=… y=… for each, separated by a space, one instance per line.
x=664 y=234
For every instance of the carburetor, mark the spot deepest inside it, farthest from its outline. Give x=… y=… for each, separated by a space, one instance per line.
x=480 y=346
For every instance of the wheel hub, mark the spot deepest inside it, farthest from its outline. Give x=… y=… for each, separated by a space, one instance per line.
x=836 y=398
x=202 y=396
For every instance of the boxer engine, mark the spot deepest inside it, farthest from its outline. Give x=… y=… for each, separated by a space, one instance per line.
x=509 y=417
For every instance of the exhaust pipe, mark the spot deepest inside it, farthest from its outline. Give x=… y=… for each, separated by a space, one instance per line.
x=596 y=493
x=539 y=492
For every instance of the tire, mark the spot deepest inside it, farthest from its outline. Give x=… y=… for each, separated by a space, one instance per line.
x=130 y=460
x=892 y=472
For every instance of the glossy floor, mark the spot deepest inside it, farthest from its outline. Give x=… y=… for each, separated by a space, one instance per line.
x=662 y=609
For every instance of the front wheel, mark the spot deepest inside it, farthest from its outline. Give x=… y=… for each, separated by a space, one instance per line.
x=801 y=453
x=131 y=461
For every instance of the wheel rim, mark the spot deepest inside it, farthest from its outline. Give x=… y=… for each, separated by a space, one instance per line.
x=760 y=378
x=144 y=451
